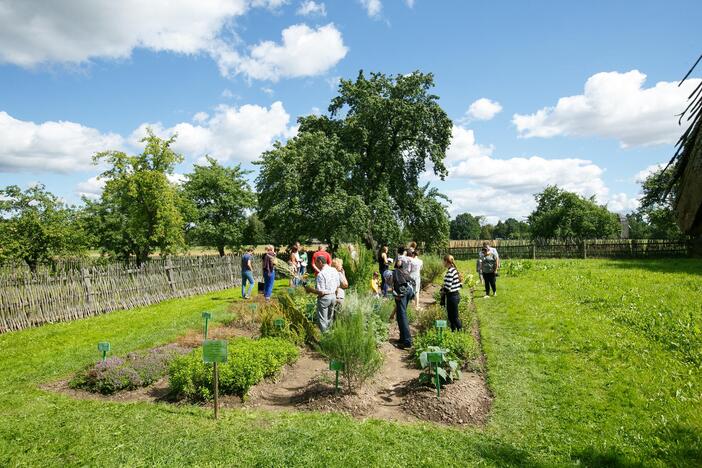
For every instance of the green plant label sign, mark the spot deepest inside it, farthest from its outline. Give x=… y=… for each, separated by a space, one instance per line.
x=336 y=365
x=214 y=351
x=441 y=324
x=206 y=315
x=436 y=358
x=103 y=346
x=279 y=323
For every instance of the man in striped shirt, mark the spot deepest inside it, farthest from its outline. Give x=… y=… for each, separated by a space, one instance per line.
x=326 y=284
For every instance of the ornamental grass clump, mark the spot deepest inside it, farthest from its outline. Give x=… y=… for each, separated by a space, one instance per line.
x=351 y=342
x=432 y=269
x=135 y=371
x=248 y=362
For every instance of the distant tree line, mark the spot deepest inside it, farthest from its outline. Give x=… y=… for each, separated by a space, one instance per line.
x=560 y=214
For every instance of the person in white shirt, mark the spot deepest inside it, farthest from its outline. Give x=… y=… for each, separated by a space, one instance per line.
x=338 y=265
x=416 y=265
x=326 y=285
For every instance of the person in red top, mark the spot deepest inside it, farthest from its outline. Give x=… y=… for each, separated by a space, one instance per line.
x=321 y=252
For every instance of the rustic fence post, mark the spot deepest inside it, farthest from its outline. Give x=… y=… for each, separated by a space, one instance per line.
x=584 y=248
x=230 y=269
x=533 y=251
x=87 y=286
x=169 y=274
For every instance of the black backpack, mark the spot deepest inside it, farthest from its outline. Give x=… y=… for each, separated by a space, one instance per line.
x=401 y=282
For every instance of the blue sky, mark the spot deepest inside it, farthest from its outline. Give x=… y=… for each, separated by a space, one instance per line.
x=582 y=94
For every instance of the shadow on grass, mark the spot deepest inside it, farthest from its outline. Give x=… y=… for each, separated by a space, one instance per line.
x=691 y=266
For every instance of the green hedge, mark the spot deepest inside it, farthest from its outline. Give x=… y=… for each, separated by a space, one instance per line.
x=249 y=362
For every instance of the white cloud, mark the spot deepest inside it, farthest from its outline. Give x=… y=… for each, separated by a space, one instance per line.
x=483 y=109
x=644 y=173
x=268 y=91
x=50 y=146
x=410 y=3
x=75 y=31
x=614 y=105
x=231 y=133
x=303 y=52
x=372 y=7
x=36 y=32
x=176 y=178
x=310 y=7
x=505 y=187
x=91 y=188
x=200 y=117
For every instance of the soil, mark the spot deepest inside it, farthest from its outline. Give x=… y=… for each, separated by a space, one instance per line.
x=394 y=393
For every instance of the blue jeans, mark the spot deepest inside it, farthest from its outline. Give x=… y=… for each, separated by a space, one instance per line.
x=268 y=281
x=401 y=315
x=247 y=276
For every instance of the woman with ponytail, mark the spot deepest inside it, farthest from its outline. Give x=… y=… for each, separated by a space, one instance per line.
x=453 y=282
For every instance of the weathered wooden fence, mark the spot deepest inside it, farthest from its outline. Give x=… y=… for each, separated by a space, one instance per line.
x=84 y=289
x=597 y=248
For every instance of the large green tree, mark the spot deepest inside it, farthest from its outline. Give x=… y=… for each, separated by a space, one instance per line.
x=465 y=226
x=560 y=214
x=429 y=223
x=139 y=210
x=381 y=133
x=221 y=197
x=36 y=226
x=254 y=232
x=656 y=208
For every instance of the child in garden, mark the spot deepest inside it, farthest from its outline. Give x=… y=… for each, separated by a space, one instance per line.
x=375 y=284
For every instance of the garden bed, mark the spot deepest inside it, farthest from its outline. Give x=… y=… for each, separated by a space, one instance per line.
x=307 y=384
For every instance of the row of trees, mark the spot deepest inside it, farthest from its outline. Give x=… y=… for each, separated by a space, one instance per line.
x=352 y=175
x=560 y=214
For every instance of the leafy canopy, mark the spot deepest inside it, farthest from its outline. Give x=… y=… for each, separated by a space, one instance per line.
x=560 y=214
x=354 y=174
x=466 y=226
x=139 y=211
x=36 y=226
x=221 y=196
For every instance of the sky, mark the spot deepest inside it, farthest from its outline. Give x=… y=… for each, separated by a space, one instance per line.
x=579 y=94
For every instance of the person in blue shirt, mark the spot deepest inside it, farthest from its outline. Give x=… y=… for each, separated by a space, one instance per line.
x=247 y=273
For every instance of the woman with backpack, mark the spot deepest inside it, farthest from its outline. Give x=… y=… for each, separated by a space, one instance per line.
x=450 y=292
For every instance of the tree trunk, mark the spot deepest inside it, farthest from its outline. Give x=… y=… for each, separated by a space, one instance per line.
x=220 y=249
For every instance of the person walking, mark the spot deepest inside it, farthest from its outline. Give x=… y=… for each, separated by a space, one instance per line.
x=383 y=264
x=247 y=273
x=492 y=250
x=488 y=266
x=268 y=271
x=403 y=292
x=326 y=285
x=294 y=266
x=416 y=265
x=450 y=292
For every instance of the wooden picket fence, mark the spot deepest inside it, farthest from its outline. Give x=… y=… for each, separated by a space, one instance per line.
x=593 y=248
x=77 y=289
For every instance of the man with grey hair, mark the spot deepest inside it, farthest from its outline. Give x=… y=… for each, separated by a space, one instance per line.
x=326 y=284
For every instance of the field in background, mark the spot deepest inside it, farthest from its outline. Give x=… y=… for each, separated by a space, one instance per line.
x=590 y=361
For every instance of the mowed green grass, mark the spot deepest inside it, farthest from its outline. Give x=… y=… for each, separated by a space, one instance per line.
x=579 y=354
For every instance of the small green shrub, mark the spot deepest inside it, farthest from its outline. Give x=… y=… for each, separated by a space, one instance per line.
x=249 y=362
x=359 y=270
x=298 y=309
x=427 y=317
x=461 y=346
x=134 y=371
x=376 y=312
x=448 y=370
x=432 y=269
x=352 y=342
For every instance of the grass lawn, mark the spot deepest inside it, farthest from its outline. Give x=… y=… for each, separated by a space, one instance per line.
x=590 y=361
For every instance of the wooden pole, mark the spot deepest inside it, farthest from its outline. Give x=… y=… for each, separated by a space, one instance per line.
x=216 y=391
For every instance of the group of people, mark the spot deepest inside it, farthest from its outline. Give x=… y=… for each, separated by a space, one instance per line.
x=400 y=277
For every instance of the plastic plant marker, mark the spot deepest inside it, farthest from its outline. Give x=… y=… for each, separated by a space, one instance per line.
x=207 y=316
x=104 y=347
x=440 y=325
x=336 y=366
x=435 y=359
x=279 y=323
x=214 y=351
